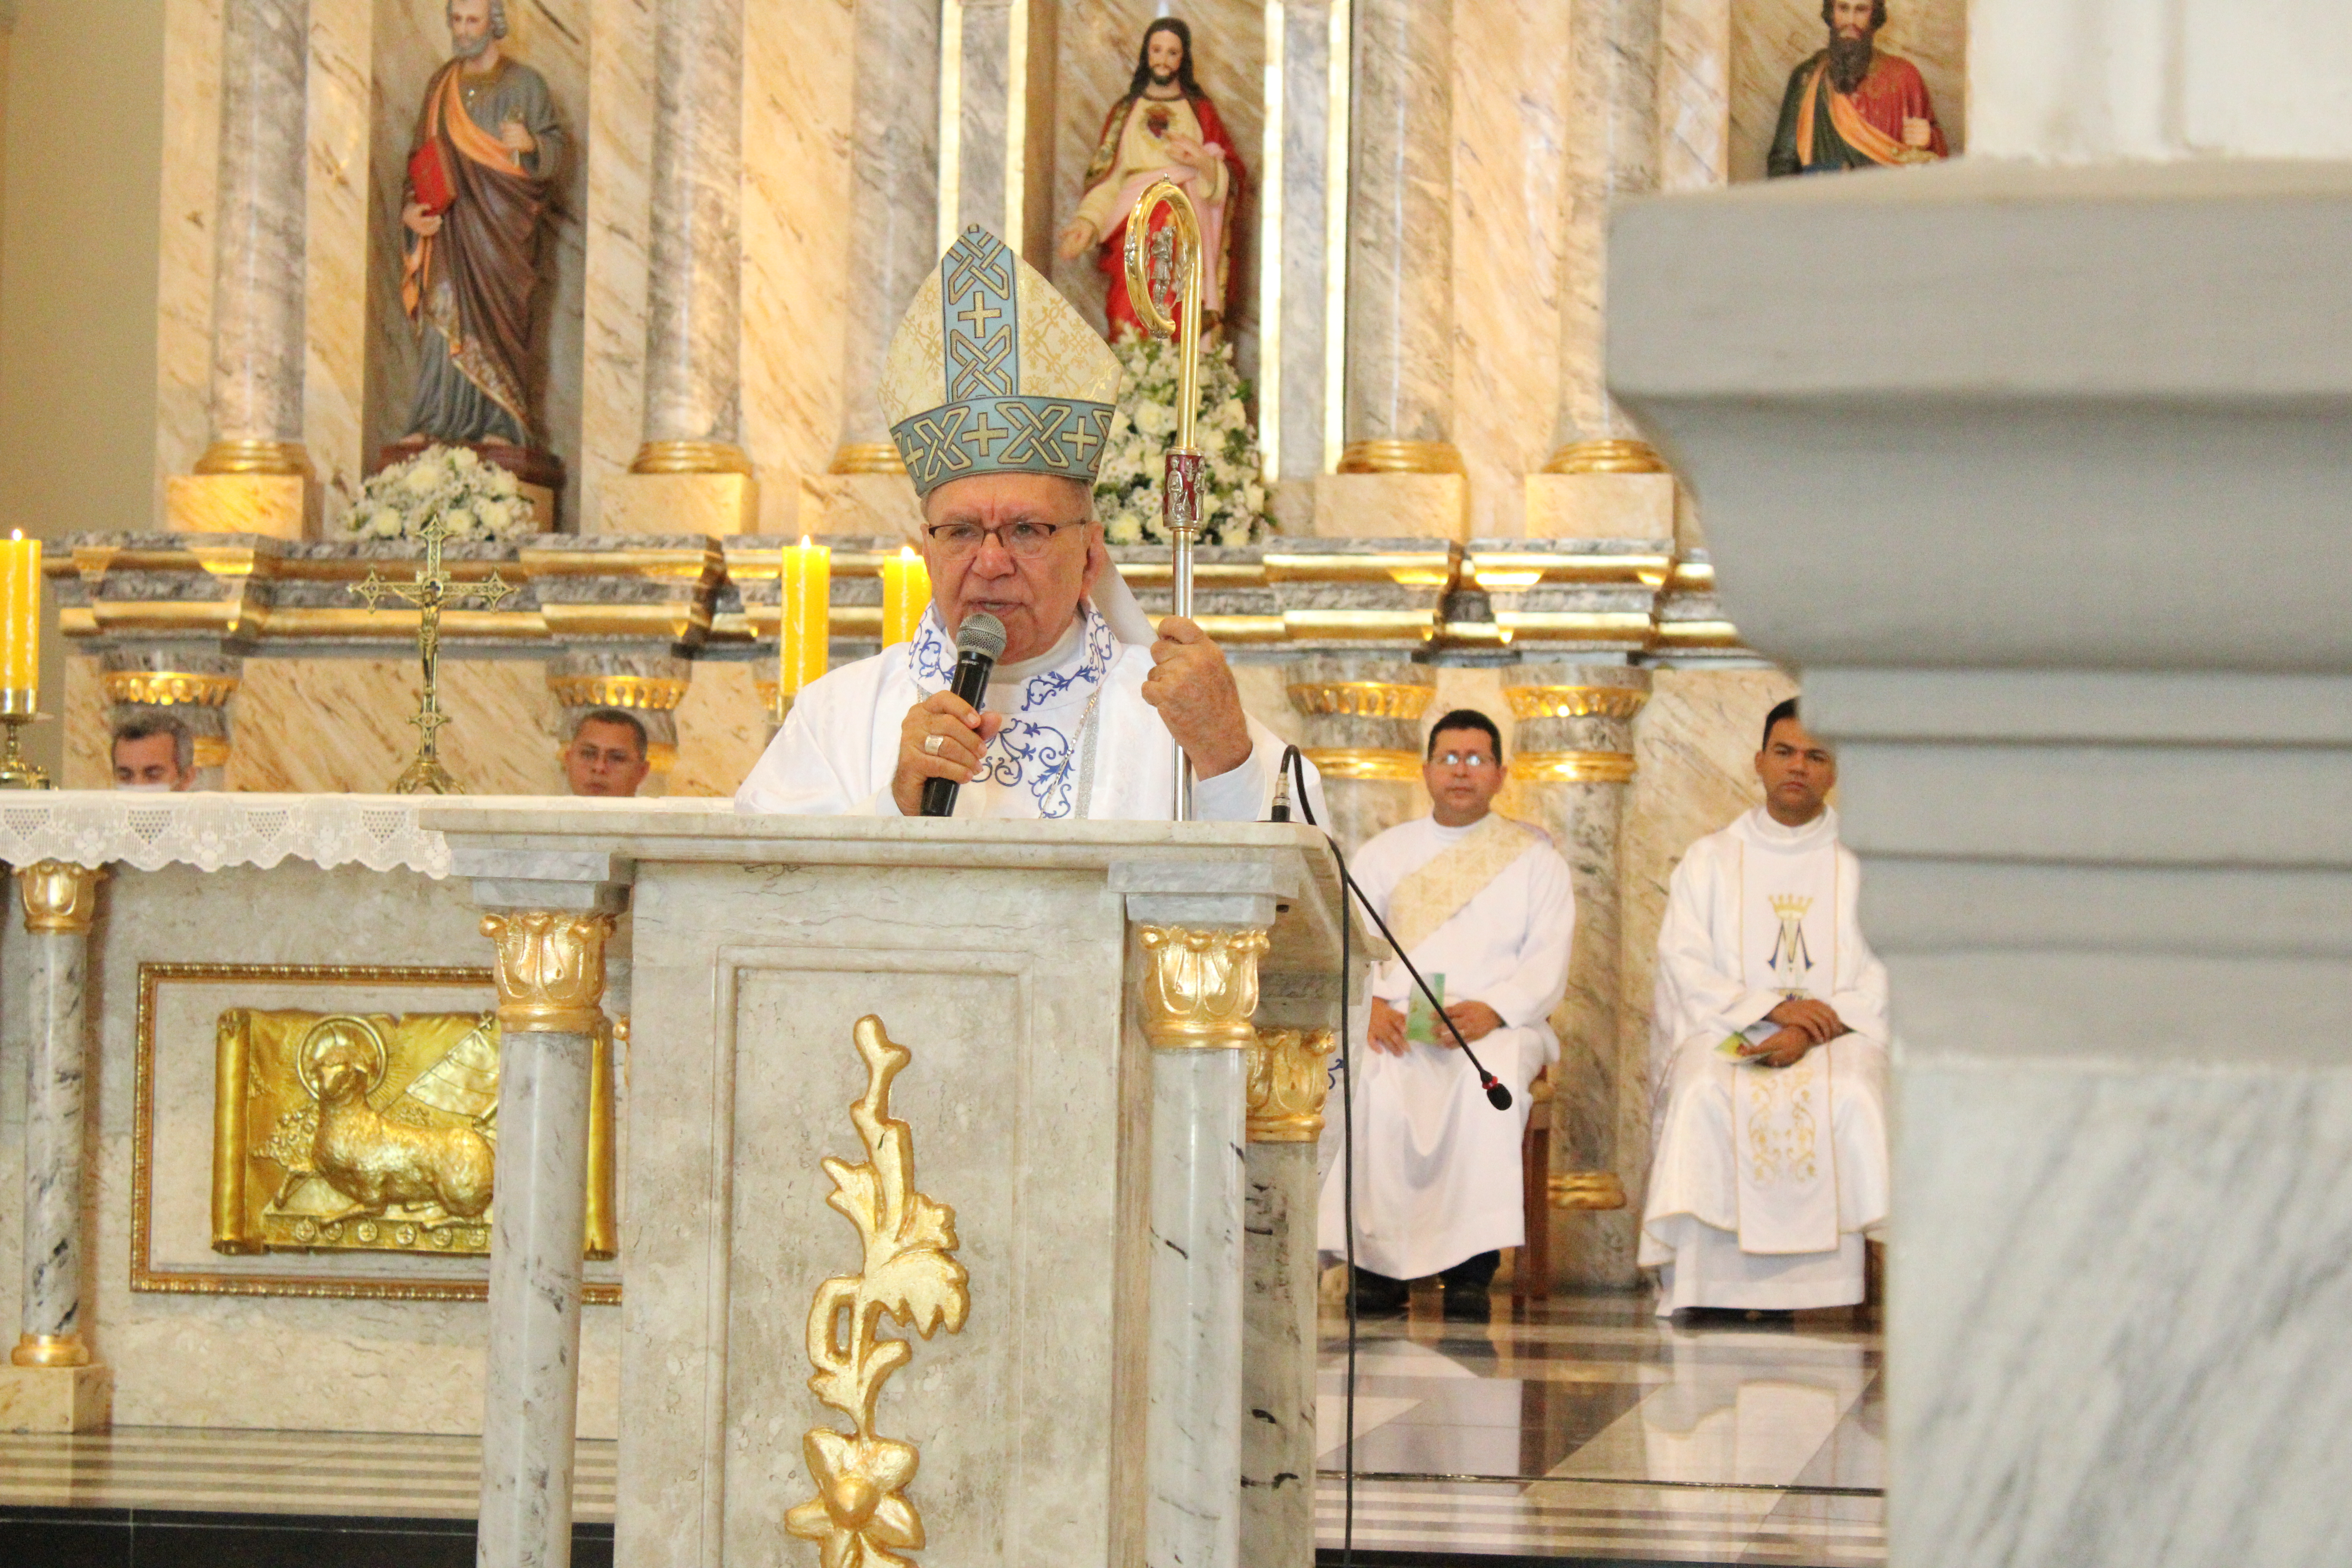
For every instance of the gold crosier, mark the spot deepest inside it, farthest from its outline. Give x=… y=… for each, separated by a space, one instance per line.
x=1174 y=249
x=861 y=1517
x=431 y=590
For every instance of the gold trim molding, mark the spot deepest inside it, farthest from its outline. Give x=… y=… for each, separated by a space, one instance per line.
x=1392 y=457
x=1371 y=763
x=60 y=896
x=169 y=687
x=1588 y=1190
x=654 y=693
x=1572 y=767
x=867 y=457
x=1574 y=701
x=1606 y=457
x=1200 y=987
x=1360 y=699
x=279 y=457
x=49 y=1349
x=208 y=751
x=689 y=457
x=861 y=1513
x=550 y=970
x=1288 y=1076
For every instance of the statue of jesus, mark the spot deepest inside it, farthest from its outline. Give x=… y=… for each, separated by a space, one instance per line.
x=1165 y=127
x=474 y=209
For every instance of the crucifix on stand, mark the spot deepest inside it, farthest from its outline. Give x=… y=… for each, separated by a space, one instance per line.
x=432 y=589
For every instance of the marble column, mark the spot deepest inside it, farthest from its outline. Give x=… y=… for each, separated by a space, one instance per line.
x=1399 y=472
x=1573 y=758
x=253 y=475
x=551 y=914
x=50 y=1383
x=1288 y=1076
x=1296 y=339
x=1363 y=733
x=1198 y=992
x=693 y=425
x=193 y=688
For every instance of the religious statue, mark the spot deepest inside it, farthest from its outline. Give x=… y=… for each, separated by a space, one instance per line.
x=1853 y=105
x=474 y=214
x=1165 y=127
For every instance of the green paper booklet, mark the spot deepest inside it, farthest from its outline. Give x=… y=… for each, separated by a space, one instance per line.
x=1420 y=1019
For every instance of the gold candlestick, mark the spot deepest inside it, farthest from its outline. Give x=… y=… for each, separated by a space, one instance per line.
x=429 y=592
x=17 y=770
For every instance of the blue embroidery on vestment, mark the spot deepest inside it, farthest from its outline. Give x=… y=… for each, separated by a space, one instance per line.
x=1040 y=757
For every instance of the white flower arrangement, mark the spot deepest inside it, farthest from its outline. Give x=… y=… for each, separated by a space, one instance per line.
x=1126 y=491
x=475 y=500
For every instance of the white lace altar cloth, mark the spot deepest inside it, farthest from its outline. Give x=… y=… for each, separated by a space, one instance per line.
x=208 y=831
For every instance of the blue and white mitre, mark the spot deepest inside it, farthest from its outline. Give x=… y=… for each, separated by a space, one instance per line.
x=993 y=372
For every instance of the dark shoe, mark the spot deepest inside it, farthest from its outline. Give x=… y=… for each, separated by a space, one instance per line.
x=1755 y=1320
x=1469 y=1304
x=1378 y=1296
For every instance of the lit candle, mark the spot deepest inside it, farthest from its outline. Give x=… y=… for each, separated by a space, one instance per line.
x=906 y=590
x=20 y=605
x=805 y=584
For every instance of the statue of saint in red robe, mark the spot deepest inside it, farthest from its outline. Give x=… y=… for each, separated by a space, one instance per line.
x=1853 y=105
x=1165 y=127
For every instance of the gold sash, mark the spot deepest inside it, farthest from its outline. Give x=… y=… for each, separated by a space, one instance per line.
x=1859 y=133
x=1436 y=891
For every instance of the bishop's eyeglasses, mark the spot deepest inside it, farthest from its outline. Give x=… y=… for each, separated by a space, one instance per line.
x=1026 y=541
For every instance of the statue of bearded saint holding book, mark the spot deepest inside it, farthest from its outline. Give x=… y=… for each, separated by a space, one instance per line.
x=475 y=207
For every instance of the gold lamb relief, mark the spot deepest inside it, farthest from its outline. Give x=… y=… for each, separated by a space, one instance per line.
x=348 y=1131
x=861 y=1516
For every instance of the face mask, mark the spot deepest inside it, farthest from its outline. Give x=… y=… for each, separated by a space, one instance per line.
x=144 y=788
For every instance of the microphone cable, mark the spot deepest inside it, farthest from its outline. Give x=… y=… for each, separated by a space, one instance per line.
x=1496 y=1095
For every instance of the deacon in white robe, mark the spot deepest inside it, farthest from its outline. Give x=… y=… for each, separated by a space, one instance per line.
x=1767 y=1056
x=1000 y=397
x=1484 y=907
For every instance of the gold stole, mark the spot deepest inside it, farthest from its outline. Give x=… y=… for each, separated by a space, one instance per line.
x=1435 y=891
x=1859 y=133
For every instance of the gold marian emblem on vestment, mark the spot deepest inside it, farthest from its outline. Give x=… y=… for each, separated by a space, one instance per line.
x=861 y=1516
x=1790 y=963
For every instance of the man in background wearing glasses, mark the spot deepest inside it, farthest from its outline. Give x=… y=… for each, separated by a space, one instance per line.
x=1000 y=397
x=1482 y=905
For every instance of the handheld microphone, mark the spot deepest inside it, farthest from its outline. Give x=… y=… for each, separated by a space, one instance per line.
x=979 y=643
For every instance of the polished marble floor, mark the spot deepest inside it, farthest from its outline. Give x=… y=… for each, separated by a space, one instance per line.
x=1584 y=1428
x=1581 y=1429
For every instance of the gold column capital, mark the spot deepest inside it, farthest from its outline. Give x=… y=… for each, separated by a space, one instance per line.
x=168 y=688
x=867 y=457
x=1360 y=699
x=49 y=1349
x=1287 y=1081
x=1588 y=1190
x=690 y=457
x=1575 y=701
x=60 y=896
x=1388 y=456
x=227 y=456
x=1618 y=457
x=1377 y=763
x=551 y=969
x=1200 y=987
x=1572 y=767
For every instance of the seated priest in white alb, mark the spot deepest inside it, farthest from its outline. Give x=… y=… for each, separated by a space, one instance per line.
x=1483 y=907
x=154 y=753
x=1767 y=1056
x=1000 y=400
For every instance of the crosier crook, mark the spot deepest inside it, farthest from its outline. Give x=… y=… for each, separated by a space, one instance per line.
x=1179 y=491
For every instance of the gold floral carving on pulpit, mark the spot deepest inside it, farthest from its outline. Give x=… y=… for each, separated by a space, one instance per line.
x=372 y=1132
x=861 y=1516
x=1289 y=1075
x=1200 y=987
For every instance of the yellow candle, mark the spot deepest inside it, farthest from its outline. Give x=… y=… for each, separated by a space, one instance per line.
x=20 y=611
x=906 y=592
x=806 y=582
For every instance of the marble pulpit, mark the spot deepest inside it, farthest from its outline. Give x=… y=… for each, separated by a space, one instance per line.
x=954 y=1182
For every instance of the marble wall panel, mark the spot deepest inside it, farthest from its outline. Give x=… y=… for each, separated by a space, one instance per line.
x=334 y=371
x=721 y=729
x=614 y=248
x=1768 y=38
x=1694 y=94
x=411 y=42
x=190 y=176
x=1097 y=44
x=797 y=104
x=409 y=1366
x=343 y=725
x=1511 y=77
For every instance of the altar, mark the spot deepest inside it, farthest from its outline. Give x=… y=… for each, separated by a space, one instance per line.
x=1005 y=1131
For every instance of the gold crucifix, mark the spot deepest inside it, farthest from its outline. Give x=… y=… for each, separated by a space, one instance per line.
x=431 y=590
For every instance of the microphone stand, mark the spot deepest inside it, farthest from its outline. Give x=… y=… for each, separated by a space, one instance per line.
x=1180 y=489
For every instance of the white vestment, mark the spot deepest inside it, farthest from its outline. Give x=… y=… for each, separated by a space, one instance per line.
x=1078 y=739
x=1437 y=1167
x=1764 y=1181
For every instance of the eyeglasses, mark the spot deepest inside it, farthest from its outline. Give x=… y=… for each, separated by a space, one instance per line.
x=1462 y=759
x=1026 y=541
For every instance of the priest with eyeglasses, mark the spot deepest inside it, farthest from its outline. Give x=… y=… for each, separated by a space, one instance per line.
x=1000 y=399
